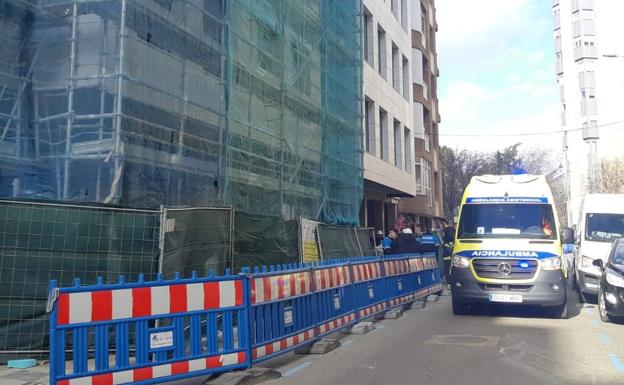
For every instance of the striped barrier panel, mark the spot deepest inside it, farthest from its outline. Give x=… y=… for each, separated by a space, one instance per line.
x=369 y=287
x=282 y=310
x=334 y=296
x=146 y=325
x=408 y=277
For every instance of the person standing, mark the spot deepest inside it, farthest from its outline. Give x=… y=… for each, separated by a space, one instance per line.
x=389 y=242
x=407 y=242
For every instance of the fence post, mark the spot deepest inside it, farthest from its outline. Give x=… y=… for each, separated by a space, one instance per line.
x=246 y=272
x=52 y=315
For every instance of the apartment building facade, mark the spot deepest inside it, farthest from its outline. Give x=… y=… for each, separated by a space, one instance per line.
x=402 y=179
x=589 y=64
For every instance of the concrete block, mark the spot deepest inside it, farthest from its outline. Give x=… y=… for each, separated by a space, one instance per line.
x=362 y=328
x=432 y=298
x=245 y=377
x=380 y=316
x=323 y=346
x=416 y=305
x=394 y=313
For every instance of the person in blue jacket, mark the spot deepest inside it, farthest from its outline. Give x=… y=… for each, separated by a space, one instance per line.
x=389 y=242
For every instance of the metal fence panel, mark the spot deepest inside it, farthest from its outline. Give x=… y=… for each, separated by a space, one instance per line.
x=196 y=239
x=43 y=241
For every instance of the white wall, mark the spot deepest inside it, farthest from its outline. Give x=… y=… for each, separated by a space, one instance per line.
x=382 y=93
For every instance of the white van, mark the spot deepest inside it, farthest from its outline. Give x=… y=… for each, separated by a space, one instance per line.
x=601 y=221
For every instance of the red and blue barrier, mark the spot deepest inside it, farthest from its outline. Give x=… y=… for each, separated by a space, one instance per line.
x=139 y=330
x=164 y=330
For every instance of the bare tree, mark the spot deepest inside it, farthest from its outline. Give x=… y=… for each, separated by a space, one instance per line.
x=612 y=176
x=458 y=168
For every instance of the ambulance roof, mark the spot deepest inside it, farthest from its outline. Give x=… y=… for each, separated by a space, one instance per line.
x=523 y=188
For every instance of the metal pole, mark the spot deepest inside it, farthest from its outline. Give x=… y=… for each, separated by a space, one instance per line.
x=115 y=193
x=161 y=240
x=103 y=56
x=70 y=103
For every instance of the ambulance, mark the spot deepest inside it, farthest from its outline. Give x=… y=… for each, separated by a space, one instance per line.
x=507 y=247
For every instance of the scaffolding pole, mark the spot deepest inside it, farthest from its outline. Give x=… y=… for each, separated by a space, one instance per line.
x=70 y=102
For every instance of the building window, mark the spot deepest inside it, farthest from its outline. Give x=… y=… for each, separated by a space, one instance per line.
x=166 y=4
x=383 y=134
x=396 y=68
x=394 y=6
x=407 y=143
x=418 y=176
x=587 y=80
x=368 y=38
x=369 y=126
x=381 y=52
x=589 y=106
x=406 y=82
x=404 y=14
x=398 y=148
x=426 y=178
x=301 y=65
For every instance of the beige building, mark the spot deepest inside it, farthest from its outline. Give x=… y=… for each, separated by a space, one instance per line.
x=402 y=176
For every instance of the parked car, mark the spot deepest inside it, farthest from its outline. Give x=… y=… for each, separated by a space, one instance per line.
x=611 y=283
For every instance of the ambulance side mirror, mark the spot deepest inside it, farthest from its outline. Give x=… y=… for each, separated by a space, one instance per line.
x=567 y=236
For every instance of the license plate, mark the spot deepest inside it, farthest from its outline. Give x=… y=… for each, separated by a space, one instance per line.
x=512 y=298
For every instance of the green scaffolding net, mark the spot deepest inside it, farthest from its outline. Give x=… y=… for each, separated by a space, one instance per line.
x=294 y=134
x=249 y=104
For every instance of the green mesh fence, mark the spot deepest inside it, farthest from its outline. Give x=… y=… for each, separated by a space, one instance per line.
x=196 y=239
x=44 y=241
x=345 y=242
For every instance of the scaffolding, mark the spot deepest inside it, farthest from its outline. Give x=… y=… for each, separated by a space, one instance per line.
x=113 y=101
x=248 y=103
x=294 y=133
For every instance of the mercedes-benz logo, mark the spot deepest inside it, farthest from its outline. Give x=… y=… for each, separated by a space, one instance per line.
x=504 y=269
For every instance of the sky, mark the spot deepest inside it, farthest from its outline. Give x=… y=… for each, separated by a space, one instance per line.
x=497 y=74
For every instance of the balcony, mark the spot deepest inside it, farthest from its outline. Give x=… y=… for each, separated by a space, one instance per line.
x=583 y=28
x=421 y=95
x=589 y=106
x=417 y=41
x=559 y=66
x=585 y=51
x=578 y=5
x=591 y=131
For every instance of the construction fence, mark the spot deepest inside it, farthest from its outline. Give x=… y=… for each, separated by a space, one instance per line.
x=40 y=241
x=165 y=330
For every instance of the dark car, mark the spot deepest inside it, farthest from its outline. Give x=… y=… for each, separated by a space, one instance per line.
x=611 y=287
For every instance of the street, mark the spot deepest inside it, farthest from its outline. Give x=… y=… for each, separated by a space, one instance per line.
x=431 y=346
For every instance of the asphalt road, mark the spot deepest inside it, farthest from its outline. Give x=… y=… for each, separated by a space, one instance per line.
x=500 y=346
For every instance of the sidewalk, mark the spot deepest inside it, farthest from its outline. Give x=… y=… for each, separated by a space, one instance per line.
x=37 y=375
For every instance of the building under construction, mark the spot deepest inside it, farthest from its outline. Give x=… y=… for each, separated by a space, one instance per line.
x=255 y=104
x=250 y=104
